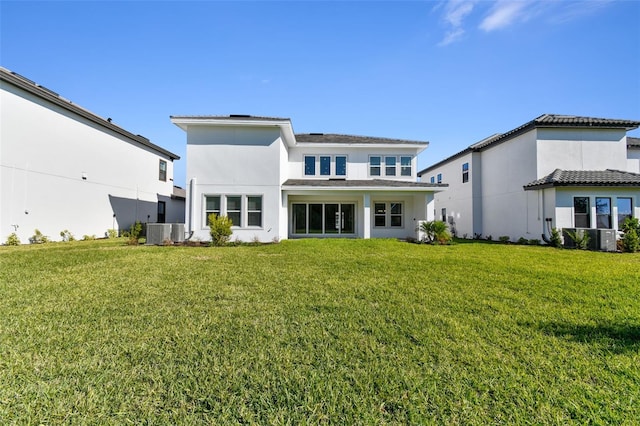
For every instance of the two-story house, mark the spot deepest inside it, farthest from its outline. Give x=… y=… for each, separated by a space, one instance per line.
x=556 y=171
x=274 y=184
x=64 y=168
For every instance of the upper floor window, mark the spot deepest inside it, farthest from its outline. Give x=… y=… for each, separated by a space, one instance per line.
x=439 y=177
x=309 y=165
x=327 y=165
x=465 y=172
x=433 y=179
x=162 y=171
x=390 y=165
x=581 y=217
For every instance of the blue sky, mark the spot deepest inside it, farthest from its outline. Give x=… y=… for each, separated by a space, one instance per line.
x=450 y=72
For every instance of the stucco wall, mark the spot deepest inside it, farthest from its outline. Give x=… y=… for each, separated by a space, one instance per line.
x=60 y=171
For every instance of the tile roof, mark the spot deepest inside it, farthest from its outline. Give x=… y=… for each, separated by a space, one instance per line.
x=363 y=183
x=330 y=138
x=51 y=96
x=543 y=121
x=586 y=178
x=633 y=143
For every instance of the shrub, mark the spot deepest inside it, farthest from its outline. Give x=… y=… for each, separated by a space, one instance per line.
x=38 y=238
x=556 y=238
x=631 y=235
x=133 y=234
x=580 y=238
x=112 y=233
x=523 y=240
x=220 y=229
x=504 y=239
x=489 y=238
x=13 y=240
x=534 y=242
x=67 y=236
x=436 y=231
x=88 y=237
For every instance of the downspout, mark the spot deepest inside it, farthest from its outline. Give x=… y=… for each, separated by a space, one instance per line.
x=191 y=207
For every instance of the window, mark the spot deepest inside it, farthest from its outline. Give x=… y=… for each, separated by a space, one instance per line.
x=439 y=177
x=254 y=210
x=387 y=215
x=465 y=173
x=433 y=179
x=624 y=210
x=162 y=172
x=309 y=165
x=374 y=166
x=162 y=206
x=444 y=215
x=341 y=165
x=603 y=213
x=212 y=205
x=327 y=218
x=405 y=166
x=390 y=166
x=234 y=209
x=581 y=212
x=325 y=165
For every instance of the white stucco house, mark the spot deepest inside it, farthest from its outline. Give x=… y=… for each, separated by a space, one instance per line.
x=556 y=171
x=276 y=185
x=65 y=168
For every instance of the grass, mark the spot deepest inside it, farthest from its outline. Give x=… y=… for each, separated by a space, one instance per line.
x=318 y=331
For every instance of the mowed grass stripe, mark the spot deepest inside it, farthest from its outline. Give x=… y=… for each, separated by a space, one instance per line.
x=315 y=331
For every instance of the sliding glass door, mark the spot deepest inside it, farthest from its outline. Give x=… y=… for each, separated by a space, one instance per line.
x=323 y=218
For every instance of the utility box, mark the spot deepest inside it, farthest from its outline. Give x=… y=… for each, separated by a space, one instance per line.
x=606 y=240
x=580 y=232
x=157 y=233
x=177 y=232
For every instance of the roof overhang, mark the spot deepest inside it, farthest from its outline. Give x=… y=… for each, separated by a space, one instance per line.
x=187 y=121
x=372 y=185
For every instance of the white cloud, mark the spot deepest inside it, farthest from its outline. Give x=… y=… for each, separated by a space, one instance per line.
x=454 y=14
x=503 y=14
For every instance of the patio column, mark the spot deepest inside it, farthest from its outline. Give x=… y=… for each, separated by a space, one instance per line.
x=366 y=220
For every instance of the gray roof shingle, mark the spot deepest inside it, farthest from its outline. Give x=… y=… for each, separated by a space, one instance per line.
x=363 y=183
x=329 y=138
x=586 y=178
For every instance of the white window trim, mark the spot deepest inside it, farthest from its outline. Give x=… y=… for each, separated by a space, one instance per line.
x=388 y=214
x=332 y=166
x=398 y=166
x=244 y=209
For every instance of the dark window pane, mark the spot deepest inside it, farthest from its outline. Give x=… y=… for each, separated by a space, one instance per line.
x=396 y=221
x=325 y=166
x=300 y=218
x=341 y=166
x=315 y=218
x=309 y=165
x=380 y=221
x=331 y=219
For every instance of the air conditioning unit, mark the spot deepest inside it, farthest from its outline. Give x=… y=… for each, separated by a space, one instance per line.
x=157 y=233
x=606 y=240
x=177 y=232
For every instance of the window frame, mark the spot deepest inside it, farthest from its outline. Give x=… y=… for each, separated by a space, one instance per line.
x=208 y=211
x=439 y=178
x=305 y=165
x=162 y=170
x=605 y=216
x=586 y=214
x=391 y=215
x=624 y=215
x=406 y=169
x=317 y=166
x=465 y=172
x=377 y=166
x=251 y=211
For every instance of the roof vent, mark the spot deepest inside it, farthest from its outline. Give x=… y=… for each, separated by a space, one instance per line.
x=239 y=116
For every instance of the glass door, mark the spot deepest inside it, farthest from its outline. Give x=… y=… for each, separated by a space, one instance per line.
x=323 y=219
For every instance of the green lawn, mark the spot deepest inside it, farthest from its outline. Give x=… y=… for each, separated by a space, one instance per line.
x=318 y=331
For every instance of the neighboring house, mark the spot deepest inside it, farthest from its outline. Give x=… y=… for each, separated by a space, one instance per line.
x=556 y=171
x=275 y=185
x=64 y=168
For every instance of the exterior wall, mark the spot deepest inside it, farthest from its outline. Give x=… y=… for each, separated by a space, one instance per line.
x=458 y=199
x=507 y=209
x=580 y=149
x=61 y=171
x=357 y=161
x=235 y=161
x=564 y=204
x=633 y=160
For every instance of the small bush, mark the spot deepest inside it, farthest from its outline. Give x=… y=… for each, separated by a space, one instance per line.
x=88 y=237
x=220 y=229
x=489 y=238
x=67 y=236
x=112 y=233
x=631 y=235
x=13 y=240
x=556 y=238
x=38 y=238
x=504 y=238
x=523 y=240
x=133 y=234
x=580 y=237
x=534 y=242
